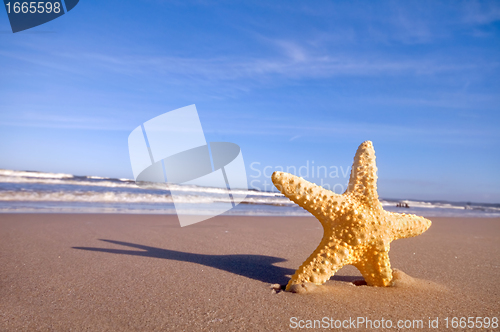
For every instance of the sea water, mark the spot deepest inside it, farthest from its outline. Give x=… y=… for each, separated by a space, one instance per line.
x=32 y=192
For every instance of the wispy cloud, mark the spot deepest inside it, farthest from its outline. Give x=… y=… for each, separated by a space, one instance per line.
x=55 y=121
x=309 y=129
x=481 y=12
x=313 y=130
x=295 y=64
x=291 y=60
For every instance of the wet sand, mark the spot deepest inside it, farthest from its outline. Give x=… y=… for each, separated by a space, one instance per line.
x=62 y=272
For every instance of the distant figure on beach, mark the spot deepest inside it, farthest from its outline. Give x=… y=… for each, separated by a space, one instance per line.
x=401 y=204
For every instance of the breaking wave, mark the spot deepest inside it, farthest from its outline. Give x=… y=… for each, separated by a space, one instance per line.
x=30 y=191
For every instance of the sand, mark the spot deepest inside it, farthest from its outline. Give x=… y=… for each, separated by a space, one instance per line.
x=75 y=272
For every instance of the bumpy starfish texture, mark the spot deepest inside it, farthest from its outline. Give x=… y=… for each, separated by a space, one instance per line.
x=357 y=231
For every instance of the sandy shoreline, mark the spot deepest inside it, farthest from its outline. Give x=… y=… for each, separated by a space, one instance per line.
x=143 y=272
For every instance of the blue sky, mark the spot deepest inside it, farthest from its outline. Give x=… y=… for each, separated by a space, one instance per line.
x=291 y=82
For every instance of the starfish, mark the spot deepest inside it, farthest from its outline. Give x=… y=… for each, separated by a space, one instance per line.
x=357 y=230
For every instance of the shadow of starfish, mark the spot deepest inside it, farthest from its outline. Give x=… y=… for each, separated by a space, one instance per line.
x=258 y=267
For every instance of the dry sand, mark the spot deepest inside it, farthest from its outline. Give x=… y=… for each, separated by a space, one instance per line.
x=62 y=272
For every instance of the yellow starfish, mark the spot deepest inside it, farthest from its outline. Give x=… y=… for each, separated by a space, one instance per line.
x=357 y=230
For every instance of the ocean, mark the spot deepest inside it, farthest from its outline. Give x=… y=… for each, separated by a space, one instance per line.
x=38 y=192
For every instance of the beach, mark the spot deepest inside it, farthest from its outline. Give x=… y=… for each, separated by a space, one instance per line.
x=123 y=272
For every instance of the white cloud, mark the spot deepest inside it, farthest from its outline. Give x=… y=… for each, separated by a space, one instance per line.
x=295 y=64
x=481 y=12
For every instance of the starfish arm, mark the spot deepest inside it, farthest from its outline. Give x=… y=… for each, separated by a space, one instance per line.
x=376 y=267
x=406 y=225
x=327 y=259
x=363 y=181
x=309 y=196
